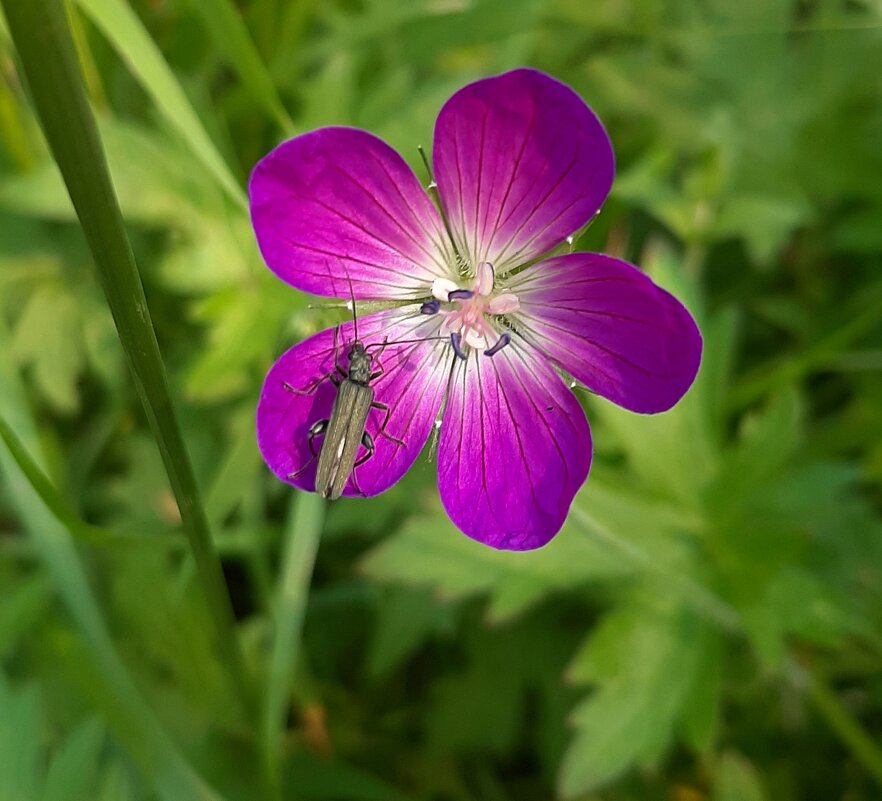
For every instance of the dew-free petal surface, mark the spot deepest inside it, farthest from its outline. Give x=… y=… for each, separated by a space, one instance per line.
x=521 y=163
x=515 y=448
x=607 y=324
x=412 y=386
x=338 y=203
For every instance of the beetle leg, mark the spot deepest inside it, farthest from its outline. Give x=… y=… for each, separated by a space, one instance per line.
x=382 y=371
x=335 y=376
x=310 y=388
x=315 y=430
x=368 y=441
x=307 y=390
x=382 y=431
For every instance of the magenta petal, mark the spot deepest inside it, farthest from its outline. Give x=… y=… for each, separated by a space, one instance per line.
x=607 y=324
x=521 y=163
x=340 y=202
x=412 y=386
x=515 y=448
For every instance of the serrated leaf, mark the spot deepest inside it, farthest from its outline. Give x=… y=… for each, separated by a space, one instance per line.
x=630 y=525
x=405 y=620
x=48 y=338
x=765 y=447
x=243 y=326
x=210 y=259
x=701 y=706
x=766 y=222
x=644 y=660
x=670 y=453
x=506 y=666
x=429 y=551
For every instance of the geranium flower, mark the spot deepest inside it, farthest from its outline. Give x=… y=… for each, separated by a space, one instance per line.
x=521 y=163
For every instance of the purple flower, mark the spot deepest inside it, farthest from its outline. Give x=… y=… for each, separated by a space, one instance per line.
x=520 y=163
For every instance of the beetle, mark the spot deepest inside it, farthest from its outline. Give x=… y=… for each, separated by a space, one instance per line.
x=345 y=430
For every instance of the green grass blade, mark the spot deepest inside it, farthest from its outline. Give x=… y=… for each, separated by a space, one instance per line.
x=232 y=39
x=59 y=508
x=137 y=728
x=41 y=484
x=125 y=32
x=40 y=33
x=301 y=545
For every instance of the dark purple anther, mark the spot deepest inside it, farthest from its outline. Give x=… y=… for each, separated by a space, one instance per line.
x=430 y=307
x=500 y=344
x=456 y=341
x=460 y=294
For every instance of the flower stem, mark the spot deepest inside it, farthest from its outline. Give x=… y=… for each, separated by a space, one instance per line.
x=41 y=35
x=301 y=545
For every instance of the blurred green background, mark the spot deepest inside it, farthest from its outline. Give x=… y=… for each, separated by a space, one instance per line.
x=708 y=625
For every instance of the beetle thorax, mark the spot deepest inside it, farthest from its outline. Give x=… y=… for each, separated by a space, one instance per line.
x=360 y=364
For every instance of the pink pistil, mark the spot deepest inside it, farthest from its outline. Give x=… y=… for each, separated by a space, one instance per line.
x=472 y=316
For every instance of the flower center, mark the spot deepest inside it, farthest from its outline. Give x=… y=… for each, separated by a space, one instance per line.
x=469 y=317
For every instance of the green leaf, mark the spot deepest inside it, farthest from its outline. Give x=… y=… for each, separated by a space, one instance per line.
x=430 y=552
x=508 y=666
x=60 y=509
x=116 y=783
x=22 y=606
x=315 y=779
x=74 y=768
x=243 y=326
x=152 y=173
x=227 y=28
x=20 y=727
x=48 y=338
x=127 y=35
x=644 y=660
x=210 y=258
x=405 y=620
x=720 y=333
x=701 y=706
x=232 y=480
x=672 y=453
x=766 y=445
x=735 y=779
x=766 y=222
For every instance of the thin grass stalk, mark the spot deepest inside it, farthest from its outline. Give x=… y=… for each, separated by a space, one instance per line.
x=233 y=40
x=41 y=35
x=302 y=536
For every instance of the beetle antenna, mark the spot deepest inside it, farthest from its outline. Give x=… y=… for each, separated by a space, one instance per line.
x=404 y=342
